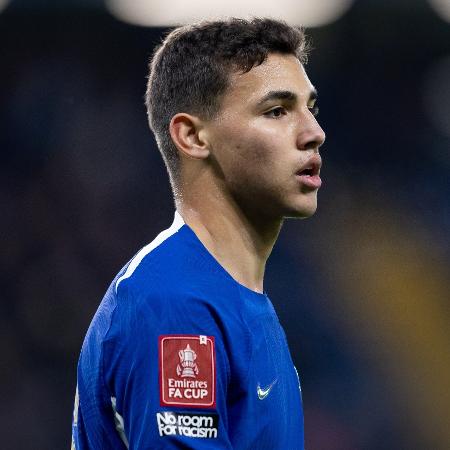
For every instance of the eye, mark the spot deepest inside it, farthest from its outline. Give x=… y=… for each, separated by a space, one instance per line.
x=276 y=113
x=314 y=110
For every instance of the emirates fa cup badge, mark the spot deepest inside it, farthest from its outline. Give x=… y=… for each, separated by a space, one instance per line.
x=187 y=366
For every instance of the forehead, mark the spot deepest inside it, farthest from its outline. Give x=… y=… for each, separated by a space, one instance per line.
x=277 y=73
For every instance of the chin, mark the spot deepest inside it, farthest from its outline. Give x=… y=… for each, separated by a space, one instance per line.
x=302 y=211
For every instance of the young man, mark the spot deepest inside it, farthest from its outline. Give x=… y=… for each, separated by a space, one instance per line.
x=185 y=350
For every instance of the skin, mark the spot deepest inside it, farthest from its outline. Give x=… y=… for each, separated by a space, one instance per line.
x=239 y=171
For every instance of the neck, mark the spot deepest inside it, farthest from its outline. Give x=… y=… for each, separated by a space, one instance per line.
x=239 y=241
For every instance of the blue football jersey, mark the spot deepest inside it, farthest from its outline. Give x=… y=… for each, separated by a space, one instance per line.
x=181 y=356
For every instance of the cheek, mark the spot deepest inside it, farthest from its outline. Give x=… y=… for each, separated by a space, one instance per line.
x=255 y=146
x=256 y=153
x=254 y=163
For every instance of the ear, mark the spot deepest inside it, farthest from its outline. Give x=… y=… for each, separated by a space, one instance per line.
x=187 y=134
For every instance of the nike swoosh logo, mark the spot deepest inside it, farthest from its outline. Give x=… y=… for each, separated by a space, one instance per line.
x=263 y=393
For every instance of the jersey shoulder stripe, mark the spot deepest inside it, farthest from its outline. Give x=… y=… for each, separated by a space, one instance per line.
x=178 y=222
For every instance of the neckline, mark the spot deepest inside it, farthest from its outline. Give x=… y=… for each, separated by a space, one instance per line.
x=246 y=290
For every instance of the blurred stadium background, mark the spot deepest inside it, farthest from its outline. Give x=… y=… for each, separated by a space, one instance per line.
x=362 y=288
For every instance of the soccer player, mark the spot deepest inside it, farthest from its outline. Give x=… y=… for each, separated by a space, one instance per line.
x=185 y=350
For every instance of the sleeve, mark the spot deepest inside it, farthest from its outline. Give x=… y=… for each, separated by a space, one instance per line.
x=93 y=426
x=167 y=370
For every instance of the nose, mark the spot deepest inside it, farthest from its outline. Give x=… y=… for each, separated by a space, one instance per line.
x=311 y=135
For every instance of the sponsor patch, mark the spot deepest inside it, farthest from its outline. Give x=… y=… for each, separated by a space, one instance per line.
x=204 y=426
x=187 y=371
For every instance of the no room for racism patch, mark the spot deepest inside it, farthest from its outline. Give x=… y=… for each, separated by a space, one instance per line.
x=171 y=423
x=187 y=371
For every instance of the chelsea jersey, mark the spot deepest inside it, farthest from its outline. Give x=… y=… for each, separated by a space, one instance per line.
x=181 y=356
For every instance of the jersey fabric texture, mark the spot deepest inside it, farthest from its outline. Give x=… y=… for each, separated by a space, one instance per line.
x=181 y=356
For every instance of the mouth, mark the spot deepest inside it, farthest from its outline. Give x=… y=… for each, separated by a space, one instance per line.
x=309 y=174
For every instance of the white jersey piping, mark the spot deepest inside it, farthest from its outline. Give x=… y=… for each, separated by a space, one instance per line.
x=119 y=423
x=178 y=222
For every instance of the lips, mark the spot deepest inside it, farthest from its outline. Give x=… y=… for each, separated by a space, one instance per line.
x=309 y=173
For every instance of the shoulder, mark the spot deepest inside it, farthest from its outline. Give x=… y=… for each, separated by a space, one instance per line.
x=156 y=257
x=170 y=279
x=174 y=272
x=173 y=285
x=145 y=276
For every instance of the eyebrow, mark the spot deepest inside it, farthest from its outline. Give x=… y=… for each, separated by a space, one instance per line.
x=285 y=95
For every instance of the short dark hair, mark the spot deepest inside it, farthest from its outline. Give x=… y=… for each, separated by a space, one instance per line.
x=189 y=71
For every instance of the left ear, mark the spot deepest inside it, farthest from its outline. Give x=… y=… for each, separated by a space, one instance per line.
x=187 y=134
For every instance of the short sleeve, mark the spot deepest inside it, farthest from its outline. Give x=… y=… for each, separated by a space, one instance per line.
x=166 y=369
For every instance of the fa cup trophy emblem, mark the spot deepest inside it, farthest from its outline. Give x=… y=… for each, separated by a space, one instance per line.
x=187 y=366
